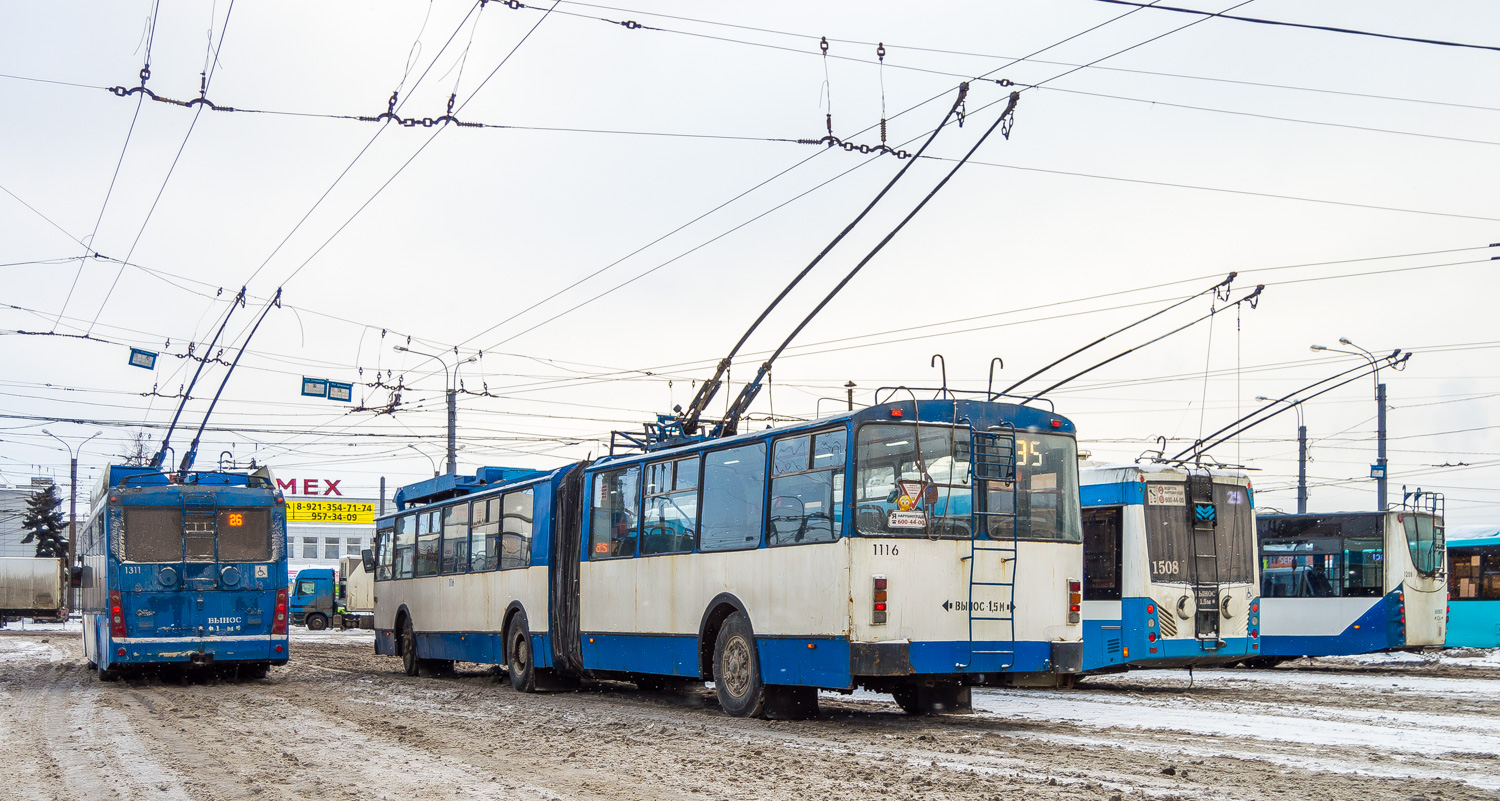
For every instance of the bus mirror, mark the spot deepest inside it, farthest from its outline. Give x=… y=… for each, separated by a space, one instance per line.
x=75 y=577
x=368 y=556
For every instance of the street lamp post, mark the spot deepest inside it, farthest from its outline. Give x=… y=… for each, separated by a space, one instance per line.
x=72 y=503
x=1380 y=461
x=452 y=405
x=429 y=459
x=1301 y=452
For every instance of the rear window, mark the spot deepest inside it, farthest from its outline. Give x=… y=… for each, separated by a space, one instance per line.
x=244 y=535
x=153 y=534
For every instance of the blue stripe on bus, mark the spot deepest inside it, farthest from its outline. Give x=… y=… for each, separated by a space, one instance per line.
x=1108 y=647
x=1473 y=624
x=485 y=648
x=1376 y=630
x=663 y=654
x=253 y=649
x=944 y=657
x=1124 y=492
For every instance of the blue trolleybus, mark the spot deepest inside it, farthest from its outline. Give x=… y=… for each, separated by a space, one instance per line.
x=1474 y=591
x=1169 y=567
x=915 y=548
x=1352 y=582
x=184 y=570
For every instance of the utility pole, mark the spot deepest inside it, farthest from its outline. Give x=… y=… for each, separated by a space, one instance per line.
x=72 y=505
x=452 y=404
x=1301 y=451
x=1378 y=470
x=850 y=387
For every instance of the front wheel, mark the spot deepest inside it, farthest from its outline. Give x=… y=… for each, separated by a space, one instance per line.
x=409 y=661
x=317 y=621
x=737 y=669
x=520 y=664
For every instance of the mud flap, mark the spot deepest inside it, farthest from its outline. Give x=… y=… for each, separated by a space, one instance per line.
x=1067 y=657
x=784 y=702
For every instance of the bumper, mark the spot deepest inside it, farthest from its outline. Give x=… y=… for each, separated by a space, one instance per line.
x=195 y=650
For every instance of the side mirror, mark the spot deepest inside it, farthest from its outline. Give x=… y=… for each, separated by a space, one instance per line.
x=368 y=556
x=75 y=577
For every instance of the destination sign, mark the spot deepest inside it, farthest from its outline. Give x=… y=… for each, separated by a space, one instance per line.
x=330 y=512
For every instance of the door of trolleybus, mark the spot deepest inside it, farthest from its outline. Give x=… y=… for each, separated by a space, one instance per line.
x=1170 y=576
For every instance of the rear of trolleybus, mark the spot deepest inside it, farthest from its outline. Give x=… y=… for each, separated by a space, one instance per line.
x=1353 y=582
x=187 y=573
x=1170 y=567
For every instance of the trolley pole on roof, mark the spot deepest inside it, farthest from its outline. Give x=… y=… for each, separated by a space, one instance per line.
x=1301 y=451
x=1378 y=470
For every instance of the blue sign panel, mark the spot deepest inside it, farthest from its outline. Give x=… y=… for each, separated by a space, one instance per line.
x=315 y=387
x=144 y=359
x=340 y=392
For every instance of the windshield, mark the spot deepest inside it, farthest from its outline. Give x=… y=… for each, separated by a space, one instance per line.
x=1169 y=534
x=903 y=490
x=1424 y=538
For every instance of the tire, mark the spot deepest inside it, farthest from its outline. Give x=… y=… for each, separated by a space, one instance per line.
x=409 y=662
x=316 y=621
x=906 y=698
x=940 y=699
x=737 y=681
x=107 y=674
x=257 y=671
x=520 y=661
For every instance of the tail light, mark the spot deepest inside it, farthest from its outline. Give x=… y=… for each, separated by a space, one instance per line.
x=116 y=615
x=1151 y=636
x=879 y=608
x=1075 y=601
x=278 y=623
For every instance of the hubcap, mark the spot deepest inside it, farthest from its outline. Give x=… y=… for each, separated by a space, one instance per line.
x=520 y=653
x=736 y=667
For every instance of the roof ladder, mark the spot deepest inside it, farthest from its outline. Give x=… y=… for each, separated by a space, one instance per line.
x=992 y=467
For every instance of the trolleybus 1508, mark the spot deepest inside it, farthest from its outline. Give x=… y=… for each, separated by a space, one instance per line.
x=1474 y=591
x=187 y=570
x=1169 y=567
x=916 y=548
x=1353 y=582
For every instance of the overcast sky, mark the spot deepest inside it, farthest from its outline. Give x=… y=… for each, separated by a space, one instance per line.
x=601 y=270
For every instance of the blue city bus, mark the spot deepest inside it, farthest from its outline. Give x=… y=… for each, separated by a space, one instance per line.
x=1474 y=591
x=914 y=548
x=184 y=570
x=1170 y=575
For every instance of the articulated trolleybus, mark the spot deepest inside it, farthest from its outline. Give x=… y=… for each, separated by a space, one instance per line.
x=184 y=570
x=1354 y=582
x=916 y=548
x=1169 y=567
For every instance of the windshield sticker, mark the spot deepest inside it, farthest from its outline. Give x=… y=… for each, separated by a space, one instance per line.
x=1166 y=495
x=917 y=519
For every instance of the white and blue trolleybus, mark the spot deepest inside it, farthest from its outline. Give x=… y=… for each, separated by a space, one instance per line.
x=917 y=548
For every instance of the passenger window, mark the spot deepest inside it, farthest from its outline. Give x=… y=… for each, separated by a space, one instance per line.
x=613 y=525
x=456 y=539
x=484 y=544
x=515 y=529
x=429 y=531
x=807 y=488
x=406 y=546
x=671 y=507
x=734 y=491
x=1101 y=553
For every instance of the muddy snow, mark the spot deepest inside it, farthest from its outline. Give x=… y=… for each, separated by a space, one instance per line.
x=340 y=722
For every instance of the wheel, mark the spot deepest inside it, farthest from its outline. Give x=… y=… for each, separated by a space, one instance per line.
x=935 y=700
x=906 y=698
x=259 y=670
x=737 y=669
x=409 y=662
x=1262 y=661
x=317 y=621
x=107 y=674
x=518 y=647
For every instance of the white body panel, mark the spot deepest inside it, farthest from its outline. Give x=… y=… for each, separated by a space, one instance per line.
x=472 y=602
x=1425 y=597
x=1311 y=617
x=359 y=586
x=32 y=584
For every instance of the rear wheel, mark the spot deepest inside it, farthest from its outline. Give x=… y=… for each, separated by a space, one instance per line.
x=409 y=662
x=520 y=663
x=317 y=621
x=934 y=700
x=737 y=669
x=108 y=674
x=258 y=670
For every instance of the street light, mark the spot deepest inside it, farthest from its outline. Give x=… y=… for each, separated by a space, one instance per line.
x=72 y=503
x=452 y=405
x=1379 y=469
x=1301 y=451
x=429 y=459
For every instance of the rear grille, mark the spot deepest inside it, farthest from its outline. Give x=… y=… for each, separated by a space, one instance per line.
x=1112 y=645
x=1168 y=625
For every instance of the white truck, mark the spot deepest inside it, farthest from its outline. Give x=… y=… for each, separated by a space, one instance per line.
x=357 y=594
x=33 y=587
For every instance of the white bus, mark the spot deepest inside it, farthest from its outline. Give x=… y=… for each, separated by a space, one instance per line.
x=914 y=548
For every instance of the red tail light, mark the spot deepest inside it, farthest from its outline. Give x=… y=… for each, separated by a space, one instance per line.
x=878 y=612
x=1150 y=609
x=1151 y=636
x=1075 y=601
x=116 y=615
x=278 y=623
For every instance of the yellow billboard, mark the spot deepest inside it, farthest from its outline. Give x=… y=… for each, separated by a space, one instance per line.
x=330 y=512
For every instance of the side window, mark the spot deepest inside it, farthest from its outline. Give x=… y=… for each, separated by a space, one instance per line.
x=671 y=507
x=1101 y=553
x=807 y=488
x=406 y=545
x=734 y=491
x=384 y=556
x=613 y=524
x=456 y=539
x=484 y=543
x=515 y=528
x=429 y=530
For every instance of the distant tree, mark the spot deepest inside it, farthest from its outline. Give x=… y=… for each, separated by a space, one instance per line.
x=138 y=451
x=43 y=523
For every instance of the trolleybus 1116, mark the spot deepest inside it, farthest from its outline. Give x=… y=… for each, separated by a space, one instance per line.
x=1353 y=582
x=1169 y=567
x=916 y=548
x=1474 y=591
x=186 y=570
